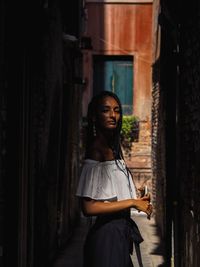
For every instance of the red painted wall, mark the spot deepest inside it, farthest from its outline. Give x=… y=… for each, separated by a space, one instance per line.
x=121 y=29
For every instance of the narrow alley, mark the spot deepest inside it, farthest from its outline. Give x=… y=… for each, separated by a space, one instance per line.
x=55 y=56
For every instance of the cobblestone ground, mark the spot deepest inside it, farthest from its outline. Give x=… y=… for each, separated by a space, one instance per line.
x=151 y=247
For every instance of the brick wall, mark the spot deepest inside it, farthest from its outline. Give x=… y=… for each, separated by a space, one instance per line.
x=139 y=157
x=158 y=129
x=158 y=154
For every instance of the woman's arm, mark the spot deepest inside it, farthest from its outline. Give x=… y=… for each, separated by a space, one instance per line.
x=92 y=207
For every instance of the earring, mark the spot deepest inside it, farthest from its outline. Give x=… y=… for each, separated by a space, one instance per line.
x=94 y=130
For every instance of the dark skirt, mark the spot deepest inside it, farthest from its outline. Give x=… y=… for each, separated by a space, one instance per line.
x=109 y=242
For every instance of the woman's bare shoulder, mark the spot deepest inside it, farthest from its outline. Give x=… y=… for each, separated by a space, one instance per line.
x=95 y=153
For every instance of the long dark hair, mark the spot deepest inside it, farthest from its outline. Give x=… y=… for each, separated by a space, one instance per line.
x=92 y=112
x=116 y=144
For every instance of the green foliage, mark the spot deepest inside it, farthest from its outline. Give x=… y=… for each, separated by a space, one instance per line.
x=130 y=128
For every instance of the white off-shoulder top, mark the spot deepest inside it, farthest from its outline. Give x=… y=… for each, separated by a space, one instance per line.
x=105 y=181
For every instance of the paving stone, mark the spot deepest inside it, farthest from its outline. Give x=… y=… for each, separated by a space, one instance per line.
x=152 y=249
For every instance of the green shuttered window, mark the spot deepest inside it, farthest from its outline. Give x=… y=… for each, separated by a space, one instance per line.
x=115 y=73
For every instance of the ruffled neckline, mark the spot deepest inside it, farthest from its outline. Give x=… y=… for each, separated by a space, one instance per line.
x=106 y=162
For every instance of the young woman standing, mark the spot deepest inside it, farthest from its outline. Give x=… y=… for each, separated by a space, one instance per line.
x=107 y=190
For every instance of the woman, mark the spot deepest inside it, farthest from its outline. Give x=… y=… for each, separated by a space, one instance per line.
x=106 y=188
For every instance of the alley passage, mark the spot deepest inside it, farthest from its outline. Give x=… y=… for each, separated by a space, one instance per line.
x=152 y=250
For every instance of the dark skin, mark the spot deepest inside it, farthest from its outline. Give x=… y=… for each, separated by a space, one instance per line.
x=106 y=120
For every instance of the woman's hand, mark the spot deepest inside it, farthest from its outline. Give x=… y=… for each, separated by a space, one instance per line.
x=92 y=207
x=143 y=204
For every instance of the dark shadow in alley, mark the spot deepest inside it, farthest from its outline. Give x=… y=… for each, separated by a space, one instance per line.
x=159 y=246
x=72 y=254
x=151 y=249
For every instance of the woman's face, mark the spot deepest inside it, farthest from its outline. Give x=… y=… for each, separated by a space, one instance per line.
x=108 y=113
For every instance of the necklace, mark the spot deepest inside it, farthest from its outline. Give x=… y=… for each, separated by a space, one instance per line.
x=126 y=171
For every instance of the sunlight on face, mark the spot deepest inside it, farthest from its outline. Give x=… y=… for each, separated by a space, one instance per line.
x=108 y=113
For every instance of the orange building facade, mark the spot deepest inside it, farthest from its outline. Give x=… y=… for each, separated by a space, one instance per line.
x=120 y=28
